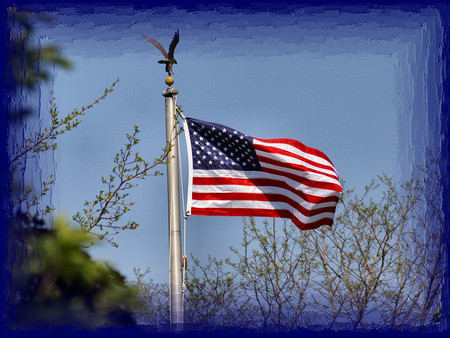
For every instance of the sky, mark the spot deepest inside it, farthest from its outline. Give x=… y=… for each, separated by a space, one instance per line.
x=360 y=84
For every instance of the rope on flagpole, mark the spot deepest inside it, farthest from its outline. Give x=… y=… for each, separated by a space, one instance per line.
x=182 y=201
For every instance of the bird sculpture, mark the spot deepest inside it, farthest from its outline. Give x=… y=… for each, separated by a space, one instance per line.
x=169 y=59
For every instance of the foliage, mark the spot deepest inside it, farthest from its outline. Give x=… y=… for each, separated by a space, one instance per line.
x=111 y=204
x=213 y=296
x=155 y=300
x=380 y=265
x=26 y=59
x=29 y=63
x=275 y=274
x=56 y=282
x=42 y=141
x=359 y=256
x=101 y=215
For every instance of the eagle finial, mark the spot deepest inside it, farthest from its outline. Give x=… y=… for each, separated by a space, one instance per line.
x=169 y=59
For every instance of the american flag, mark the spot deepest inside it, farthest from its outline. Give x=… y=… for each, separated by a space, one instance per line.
x=233 y=174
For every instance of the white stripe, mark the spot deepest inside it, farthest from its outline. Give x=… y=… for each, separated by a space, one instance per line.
x=260 y=174
x=296 y=151
x=238 y=204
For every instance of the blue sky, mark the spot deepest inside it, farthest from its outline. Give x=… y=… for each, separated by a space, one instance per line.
x=360 y=85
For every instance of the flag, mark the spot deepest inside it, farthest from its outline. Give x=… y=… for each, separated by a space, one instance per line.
x=233 y=174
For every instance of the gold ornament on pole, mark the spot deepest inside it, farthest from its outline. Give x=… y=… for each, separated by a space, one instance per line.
x=169 y=81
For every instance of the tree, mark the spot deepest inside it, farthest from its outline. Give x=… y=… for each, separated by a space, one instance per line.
x=356 y=258
x=420 y=270
x=380 y=265
x=154 y=298
x=214 y=297
x=264 y=288
x=59 y=284
x=55 y=281
x=275 y=274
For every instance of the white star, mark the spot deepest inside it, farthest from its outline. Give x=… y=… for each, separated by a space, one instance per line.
x=224 y=130
x=210 y=162
x=235 y=132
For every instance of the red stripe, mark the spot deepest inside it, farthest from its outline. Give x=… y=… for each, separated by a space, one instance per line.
x=262 y=182
x=260 y=213
x=297 y=144
x=262 y=197
x=274 y=150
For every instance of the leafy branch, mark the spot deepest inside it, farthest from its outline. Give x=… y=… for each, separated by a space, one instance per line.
x=41 y=140
x=30 y=200
x=111 y=204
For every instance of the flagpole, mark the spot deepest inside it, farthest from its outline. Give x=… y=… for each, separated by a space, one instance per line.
x=175 y=259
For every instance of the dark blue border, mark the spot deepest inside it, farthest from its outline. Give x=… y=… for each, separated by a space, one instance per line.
x=249 y=6
x=4 y=195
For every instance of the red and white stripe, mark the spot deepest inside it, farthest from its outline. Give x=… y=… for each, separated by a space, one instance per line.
x=296 y=182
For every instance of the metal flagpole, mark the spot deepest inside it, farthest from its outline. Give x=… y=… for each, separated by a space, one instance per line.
x=175 y=259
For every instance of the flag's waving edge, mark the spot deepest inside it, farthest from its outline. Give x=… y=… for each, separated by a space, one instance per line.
x=190 y=173
x=233 y=174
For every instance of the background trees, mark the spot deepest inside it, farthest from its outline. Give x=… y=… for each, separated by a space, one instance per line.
x=365 y=259
x=381 y=265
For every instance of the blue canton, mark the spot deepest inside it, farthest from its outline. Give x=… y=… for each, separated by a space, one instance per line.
x=215 y=146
